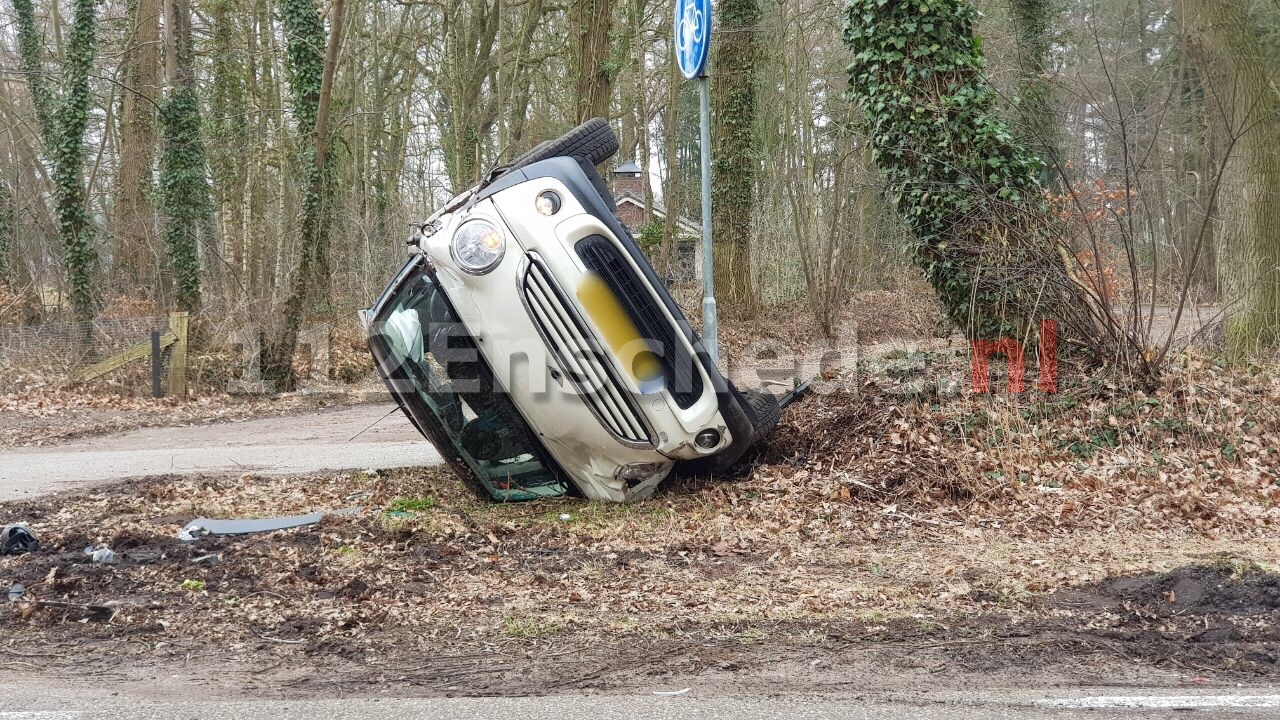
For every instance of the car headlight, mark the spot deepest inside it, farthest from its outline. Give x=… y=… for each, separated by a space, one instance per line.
x=478 y=246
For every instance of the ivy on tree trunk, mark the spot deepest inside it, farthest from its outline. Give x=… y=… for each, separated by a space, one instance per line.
x=735 y=153
x=229 y=133
x=969 y=192
x=31 y=54
x=304 y=33
x=63 y=122
x=8 y=230
x=185 y=191
x=183 y=169
x=311 y=78
x=312 y=63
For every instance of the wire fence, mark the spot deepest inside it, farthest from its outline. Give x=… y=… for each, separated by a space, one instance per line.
x=75 y=344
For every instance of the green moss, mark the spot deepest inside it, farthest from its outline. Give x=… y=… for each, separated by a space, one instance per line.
x=412 y=505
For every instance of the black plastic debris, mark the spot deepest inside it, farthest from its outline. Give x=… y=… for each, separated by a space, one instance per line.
x=17 y=539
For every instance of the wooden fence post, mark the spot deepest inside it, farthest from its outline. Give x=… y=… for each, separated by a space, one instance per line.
x=178 y=355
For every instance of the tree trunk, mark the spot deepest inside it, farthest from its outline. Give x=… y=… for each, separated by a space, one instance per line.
x=315 y=225
x=8 y=230
x=134 y=258
x=1226 y=42
x=1195 y=164
x=734 y=154
x=631 y=48
x=1032 y=21
x=671 y=159
x=72 y=118
x=591 y=71
x=183 y=172
x=306 y=36
x=467 y=113
x=62 y=125
x=518 y=113
x=231 y=151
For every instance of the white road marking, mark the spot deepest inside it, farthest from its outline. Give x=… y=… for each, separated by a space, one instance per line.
x=1165 y=702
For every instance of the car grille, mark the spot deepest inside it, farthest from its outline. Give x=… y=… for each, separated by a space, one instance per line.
x=567 y=337
x=601 y=256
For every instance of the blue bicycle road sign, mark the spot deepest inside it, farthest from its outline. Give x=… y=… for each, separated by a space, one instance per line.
x=693 y=36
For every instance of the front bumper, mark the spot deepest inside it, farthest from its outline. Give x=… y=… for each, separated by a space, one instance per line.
x=613 y=439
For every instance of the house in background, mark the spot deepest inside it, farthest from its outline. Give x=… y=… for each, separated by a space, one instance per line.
x=628 y=192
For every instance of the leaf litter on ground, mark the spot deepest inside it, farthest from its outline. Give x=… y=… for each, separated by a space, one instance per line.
x=875 y=515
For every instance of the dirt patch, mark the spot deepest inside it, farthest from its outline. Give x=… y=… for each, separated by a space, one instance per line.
x=1207 y=618
x=1201 y=591
x=464 y=597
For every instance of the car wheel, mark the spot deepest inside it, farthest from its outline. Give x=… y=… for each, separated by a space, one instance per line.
x=593 y=141
x=766 y=414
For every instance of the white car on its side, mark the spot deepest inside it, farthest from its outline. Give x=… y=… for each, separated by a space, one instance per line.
x=530 y=341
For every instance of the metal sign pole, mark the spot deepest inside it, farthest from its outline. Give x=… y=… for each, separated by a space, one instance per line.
x=692 y=39
x=710 y=328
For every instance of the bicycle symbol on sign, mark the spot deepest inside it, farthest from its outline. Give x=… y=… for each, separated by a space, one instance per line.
x=690 y=30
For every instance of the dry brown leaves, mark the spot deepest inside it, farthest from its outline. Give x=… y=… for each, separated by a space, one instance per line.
x=869 y=508
x=1200 y=452
x=905 y=311
x=40 y=404
x=715 y=560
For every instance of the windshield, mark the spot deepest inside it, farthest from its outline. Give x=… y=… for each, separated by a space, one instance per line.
x=431 y=365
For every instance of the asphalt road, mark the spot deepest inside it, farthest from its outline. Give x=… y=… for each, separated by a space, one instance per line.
x=39 y=702
x=283 y=445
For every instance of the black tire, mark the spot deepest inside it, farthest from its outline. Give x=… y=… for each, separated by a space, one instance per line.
x=765 y=412
x=592 y=142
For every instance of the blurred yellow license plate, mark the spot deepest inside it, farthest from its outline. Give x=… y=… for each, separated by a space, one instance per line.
x=620 y=333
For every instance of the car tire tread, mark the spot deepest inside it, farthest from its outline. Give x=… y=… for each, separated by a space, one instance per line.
x=592 y=142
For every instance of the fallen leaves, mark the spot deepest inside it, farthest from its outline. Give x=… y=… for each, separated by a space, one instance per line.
x=873 y=507
x=1202 y=451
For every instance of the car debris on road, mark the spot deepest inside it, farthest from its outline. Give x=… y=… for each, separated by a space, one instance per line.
x=202 y=527
x=102 y=555
x=17 y=539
